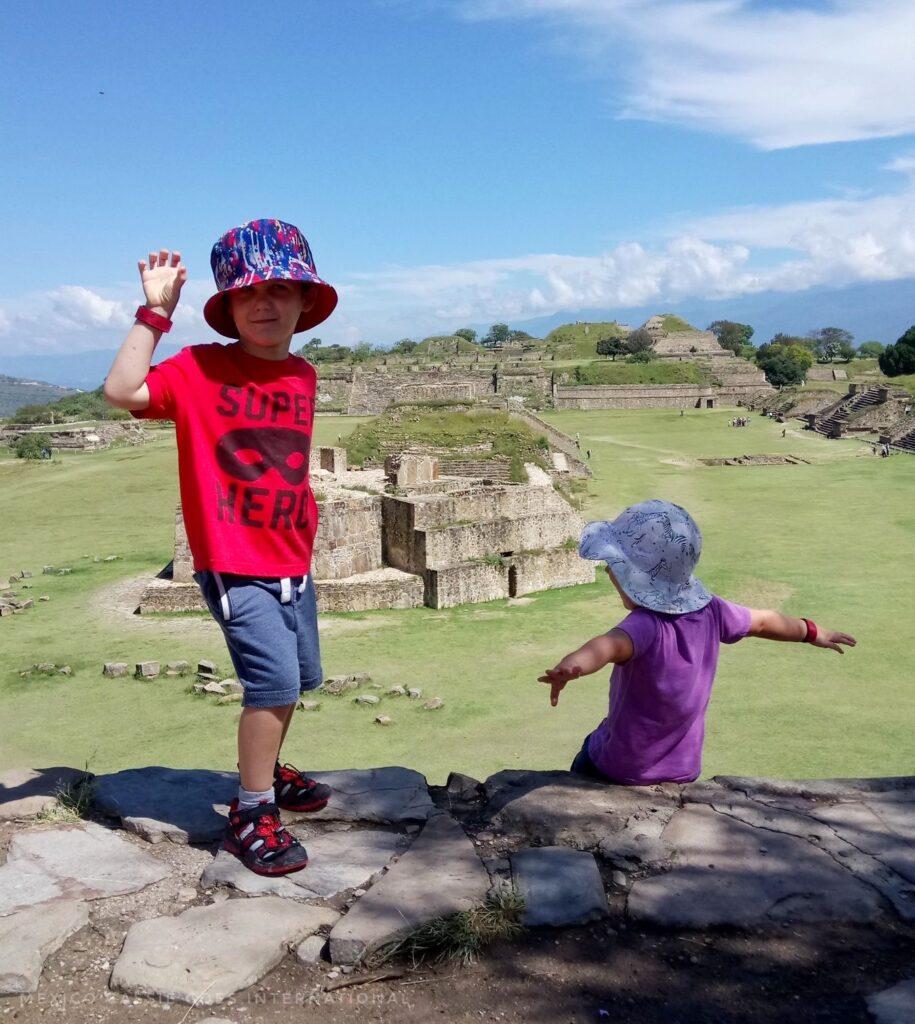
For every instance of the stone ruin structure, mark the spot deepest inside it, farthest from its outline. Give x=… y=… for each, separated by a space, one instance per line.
x=408 y=535
x=83 y=437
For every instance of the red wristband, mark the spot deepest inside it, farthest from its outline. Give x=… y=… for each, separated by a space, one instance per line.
x=152 y=319
x=811 y=631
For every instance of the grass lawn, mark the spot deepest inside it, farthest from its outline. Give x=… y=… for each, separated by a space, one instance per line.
x=829 y=540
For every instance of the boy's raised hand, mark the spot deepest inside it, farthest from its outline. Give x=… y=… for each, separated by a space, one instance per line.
x=831 y=640
x=163 y=277
x=557 y=678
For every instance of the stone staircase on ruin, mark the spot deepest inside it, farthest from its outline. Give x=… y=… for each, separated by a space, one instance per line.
x=834 y=419
x=905 y=443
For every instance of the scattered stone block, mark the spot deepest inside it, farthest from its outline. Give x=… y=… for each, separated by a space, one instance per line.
x=146 y=670
x=44 y=597
x=308 y=705
x=45 y=668
x=311 y=951
x=335 y=685
x=366 y=698
x=181 y=805
x=383 y=720
x=206 y=666
x=560 y=886
x=217 y=688
x=396 y=691
x=229 y=698
x=434 y=704
x=439 y=875
x=111 y=558
x=179 y=667
x=115 y=669
x=463 y=787
x=383 y=795
x=894 y=1005
x=68 y=862
x=232 y=686
x=62 y=572
x=26 y=792
x=162 y=958
x=29 y=937
x=48 y=570
x=414 y=693
x=26 y=574
x=26 y=604
x=65 y=670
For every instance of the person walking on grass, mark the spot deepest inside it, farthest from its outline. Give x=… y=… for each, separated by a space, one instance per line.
x=665 y=651
x=244 y=413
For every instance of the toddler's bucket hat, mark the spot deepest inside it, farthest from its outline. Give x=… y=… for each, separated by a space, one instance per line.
x=264 y=250
x=652 y=549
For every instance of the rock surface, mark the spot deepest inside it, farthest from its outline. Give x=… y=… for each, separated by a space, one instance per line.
x=205 y=954
x=70 y=862
x=25 y=792
x=181 y=805
x=894 y=1005
x=28 y=938
x=382 y=795
x=559 y=886
x=439 y=875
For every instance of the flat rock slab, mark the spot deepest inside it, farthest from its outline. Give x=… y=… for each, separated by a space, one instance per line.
x=559 y=886
x=440 y=874
x=336 y=861
x=894 y=1005
x=559 y=808
x=205 y=954
x=26 y=792
x=181 y=805
x=70 y=862
x=382 y=795
x=28 y=938
x=727 y=872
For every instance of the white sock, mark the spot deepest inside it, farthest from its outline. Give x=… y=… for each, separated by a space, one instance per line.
x=248 y=798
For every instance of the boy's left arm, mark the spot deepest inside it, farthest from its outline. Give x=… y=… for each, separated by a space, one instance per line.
x=772 y=625
x=615 y=646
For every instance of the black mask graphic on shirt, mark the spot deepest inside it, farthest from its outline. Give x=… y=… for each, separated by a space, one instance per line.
x=275 y=446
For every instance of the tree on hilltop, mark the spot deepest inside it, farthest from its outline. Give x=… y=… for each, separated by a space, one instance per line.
x=612 y=346
x=404 y=347
x=870 y=349
x=731 y=335
x=899 y=358
x=467 y=333
x=639 y=340
x=832 y=343
x=498 y=336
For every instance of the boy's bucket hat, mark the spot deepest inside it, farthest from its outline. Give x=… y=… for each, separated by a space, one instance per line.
x=651 y=549
x=264 y=250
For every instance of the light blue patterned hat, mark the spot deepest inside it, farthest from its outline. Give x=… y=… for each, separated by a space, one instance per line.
x=652 y=549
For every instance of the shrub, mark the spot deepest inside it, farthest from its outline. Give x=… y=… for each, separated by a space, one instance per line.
x=899 y=358
x=32 y=446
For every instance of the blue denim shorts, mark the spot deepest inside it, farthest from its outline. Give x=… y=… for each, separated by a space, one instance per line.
x=271 y=630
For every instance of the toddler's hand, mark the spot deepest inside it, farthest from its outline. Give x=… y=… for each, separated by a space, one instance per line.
x=830 y=640
x=557 y=678
x=163 y=279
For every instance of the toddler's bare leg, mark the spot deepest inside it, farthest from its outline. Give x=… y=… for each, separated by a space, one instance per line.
x=286 y=727
x=260 y=733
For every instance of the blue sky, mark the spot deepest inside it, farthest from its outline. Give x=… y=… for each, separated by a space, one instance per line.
x=454 y=162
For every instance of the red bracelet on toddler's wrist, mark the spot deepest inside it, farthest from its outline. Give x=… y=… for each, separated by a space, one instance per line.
x=152 y=319
x=811 y=631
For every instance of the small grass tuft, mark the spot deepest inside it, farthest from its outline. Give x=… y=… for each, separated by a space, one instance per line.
x=74 y=800
x=462 y=936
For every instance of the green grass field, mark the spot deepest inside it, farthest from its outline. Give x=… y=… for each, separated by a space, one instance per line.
x=831 y=540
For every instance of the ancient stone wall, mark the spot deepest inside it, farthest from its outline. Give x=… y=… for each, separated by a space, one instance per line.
x=468 y=583
x=348 y=541
x=655 y=396
x=543 y=570
x=381 y=589
x=183 y=562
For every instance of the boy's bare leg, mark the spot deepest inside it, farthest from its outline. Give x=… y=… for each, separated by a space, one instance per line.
x=286 y=727
x=260 y=733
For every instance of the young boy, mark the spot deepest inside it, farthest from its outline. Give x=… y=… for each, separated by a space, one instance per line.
x=243 y=415
x=665 y=651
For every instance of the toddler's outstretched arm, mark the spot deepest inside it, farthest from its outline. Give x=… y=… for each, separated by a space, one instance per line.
x=772 y=625
x=614 y=646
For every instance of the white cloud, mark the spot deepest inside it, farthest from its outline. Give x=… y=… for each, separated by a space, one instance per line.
x=774 y=76
x=789 y=247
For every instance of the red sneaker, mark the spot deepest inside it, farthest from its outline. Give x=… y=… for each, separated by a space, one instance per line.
x=257 y=837
x=296 y=792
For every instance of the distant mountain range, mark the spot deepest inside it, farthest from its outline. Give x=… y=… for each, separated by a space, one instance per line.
x=878 y=311
x=15 y=393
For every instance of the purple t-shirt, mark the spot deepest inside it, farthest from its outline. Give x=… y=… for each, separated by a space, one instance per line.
x=656 y=724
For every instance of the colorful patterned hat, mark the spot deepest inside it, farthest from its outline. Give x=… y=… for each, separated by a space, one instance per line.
x=264 y=250
x=651 y=549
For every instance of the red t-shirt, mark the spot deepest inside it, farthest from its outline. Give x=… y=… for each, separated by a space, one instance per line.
x=243 y=428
